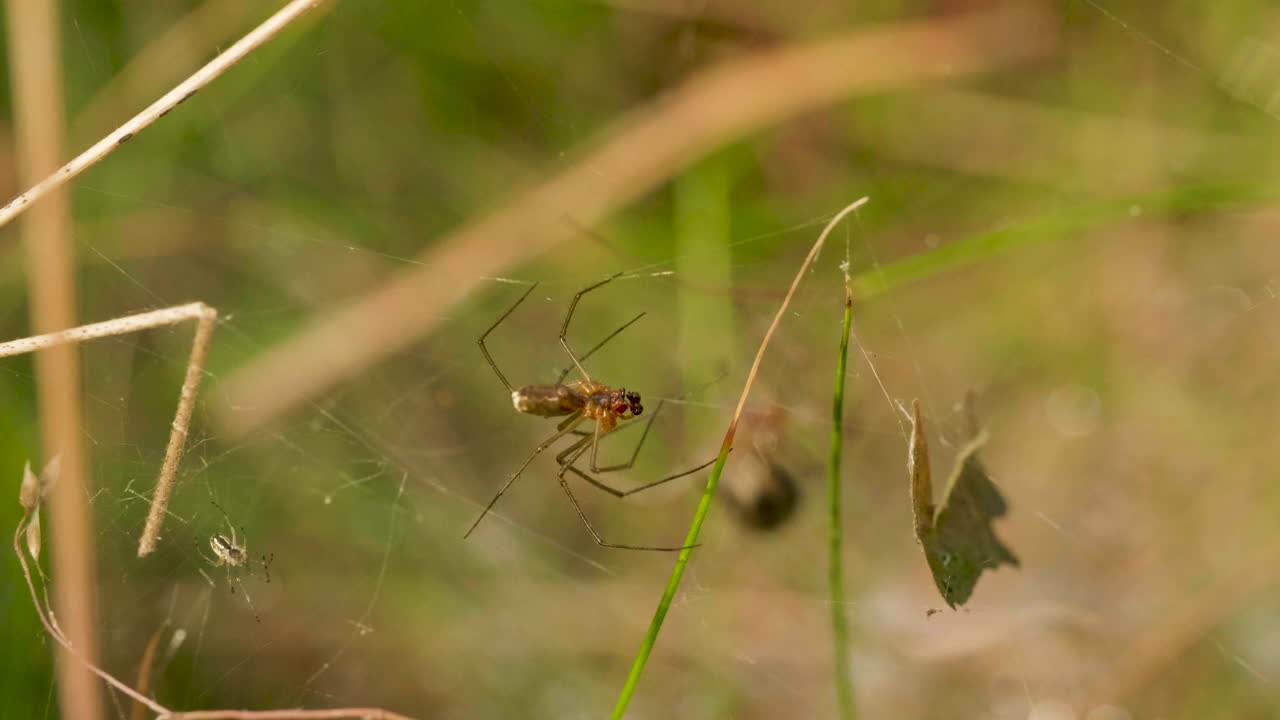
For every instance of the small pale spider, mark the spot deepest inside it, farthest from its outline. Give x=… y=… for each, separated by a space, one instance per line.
x=230 y=553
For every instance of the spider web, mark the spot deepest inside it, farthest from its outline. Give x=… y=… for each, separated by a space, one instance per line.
x=1093 y=357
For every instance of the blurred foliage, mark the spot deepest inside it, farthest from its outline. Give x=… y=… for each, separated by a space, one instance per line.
x=1088 y=240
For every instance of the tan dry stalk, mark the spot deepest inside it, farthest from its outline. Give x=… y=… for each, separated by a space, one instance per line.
x=634 y=156
x=36 y=74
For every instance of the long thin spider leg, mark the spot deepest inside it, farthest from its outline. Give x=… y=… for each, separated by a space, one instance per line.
x=634 y=453
x=583 y=440
x=214 y=561
x=564 y=329
x=624 y=493
x=605 y=436
x=587 y=523
x=494 y=326
x=248 y=600
x=537 y=451
x=225 y=516
x=564 y=373
x=571 y=420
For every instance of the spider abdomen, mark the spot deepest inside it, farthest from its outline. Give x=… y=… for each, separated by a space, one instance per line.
x=227 y=551
x=547 y=400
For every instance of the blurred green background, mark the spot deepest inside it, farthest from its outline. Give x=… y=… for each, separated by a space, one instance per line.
x=1085 y=237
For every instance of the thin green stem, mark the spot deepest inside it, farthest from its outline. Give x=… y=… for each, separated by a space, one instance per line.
x=704 y=505
x=835 y=569
x=673 y=584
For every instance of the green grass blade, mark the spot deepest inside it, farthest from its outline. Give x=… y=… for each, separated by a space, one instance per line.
x=673 y=584
x=835 y=570
x=704 y=505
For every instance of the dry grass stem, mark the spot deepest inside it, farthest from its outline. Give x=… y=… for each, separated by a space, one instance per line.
x=206 y=317
x=631 y=158
x=137 y=712
x=36 y=75
x=777 y=318
x=163 y=61
x=158 y=109
x=108 y=328
x=178 y=431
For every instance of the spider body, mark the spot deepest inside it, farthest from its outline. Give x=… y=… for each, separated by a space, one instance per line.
x=231 y=552
x=578 y=402
x=596 y=401
x=227 y=551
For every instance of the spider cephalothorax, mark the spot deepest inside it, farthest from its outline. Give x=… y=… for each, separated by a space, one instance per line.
x=608 y=405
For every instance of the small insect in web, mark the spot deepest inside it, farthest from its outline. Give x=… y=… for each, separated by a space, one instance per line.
x=233 y=554
x=578 y=402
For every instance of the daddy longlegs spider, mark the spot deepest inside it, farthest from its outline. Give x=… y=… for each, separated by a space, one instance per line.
x=580 y=401
x=230 y=552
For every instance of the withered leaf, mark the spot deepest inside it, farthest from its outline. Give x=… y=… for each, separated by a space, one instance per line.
x=29 y=489
x=33 y=536
x=956 y=536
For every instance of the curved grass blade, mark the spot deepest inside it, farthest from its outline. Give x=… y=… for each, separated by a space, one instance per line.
x=704 y=505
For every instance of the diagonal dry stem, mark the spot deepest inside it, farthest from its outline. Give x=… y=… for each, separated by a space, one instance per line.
x=184 y=90
x=178 y=431
x=166 y=59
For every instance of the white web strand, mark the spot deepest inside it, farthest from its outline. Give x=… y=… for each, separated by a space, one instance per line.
x=361 y=626
x=1226 y=83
